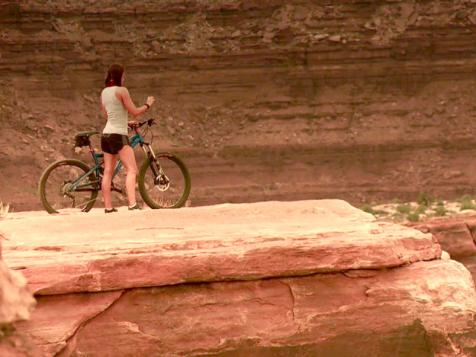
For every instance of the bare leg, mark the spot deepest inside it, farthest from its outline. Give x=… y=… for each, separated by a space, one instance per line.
x=128 y=159
x=109 y=164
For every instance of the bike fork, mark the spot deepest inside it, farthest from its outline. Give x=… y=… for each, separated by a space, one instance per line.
x=152 y=158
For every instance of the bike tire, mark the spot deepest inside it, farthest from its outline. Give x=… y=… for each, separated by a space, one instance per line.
x=46 y=174
x=146 y=170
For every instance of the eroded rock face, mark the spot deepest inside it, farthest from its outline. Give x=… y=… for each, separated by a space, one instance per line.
x=57 y=318
x=294 y=278
x=283 y=99
x=412 y=307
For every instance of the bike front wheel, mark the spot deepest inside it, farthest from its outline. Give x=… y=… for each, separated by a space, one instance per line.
x=66 y=186
x=164 y=182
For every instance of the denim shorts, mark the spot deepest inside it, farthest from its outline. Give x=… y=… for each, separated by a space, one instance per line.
x=113 y=143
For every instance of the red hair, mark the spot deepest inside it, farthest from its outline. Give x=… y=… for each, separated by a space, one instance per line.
x=114 y=75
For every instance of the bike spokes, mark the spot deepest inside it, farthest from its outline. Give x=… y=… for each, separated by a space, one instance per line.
x=69 y=188
x=165 y=183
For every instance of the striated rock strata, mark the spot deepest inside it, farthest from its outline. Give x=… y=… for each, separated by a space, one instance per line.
x=286 y=100
x=295 y=278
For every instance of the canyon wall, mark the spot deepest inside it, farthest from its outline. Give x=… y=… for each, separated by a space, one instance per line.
x=361 y=100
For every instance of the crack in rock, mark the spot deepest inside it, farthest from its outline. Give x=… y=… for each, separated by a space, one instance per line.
x=292 y=296
x=70 y=340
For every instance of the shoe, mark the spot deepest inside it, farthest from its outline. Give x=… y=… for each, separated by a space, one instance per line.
x=134 y=207
x=110 y=210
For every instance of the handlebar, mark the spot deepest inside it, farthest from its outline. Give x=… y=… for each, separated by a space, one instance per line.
x=135 y=126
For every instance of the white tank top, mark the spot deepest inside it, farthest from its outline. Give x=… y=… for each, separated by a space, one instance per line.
x=116 y=112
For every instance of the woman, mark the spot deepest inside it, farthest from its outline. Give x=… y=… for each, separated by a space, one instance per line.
x=116 y=104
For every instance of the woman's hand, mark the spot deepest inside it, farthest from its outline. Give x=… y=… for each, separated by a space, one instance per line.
x=123 y=95
x=132 y=123
x=150 y=100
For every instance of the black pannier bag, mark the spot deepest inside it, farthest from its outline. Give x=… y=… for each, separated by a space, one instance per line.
x=82 y=139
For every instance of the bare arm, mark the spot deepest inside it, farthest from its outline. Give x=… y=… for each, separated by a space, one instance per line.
x=104 y=111
x=123 y=94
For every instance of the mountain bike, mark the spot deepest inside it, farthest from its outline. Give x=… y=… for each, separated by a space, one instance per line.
x=73 y=185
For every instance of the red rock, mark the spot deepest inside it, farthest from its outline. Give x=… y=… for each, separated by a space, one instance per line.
x=292 y=278
x=454 y=234
x=306 y=314
x=59 y=317
x=238 y=242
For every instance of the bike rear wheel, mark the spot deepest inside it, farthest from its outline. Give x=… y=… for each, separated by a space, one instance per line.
x=62 y=189
x=164 y=182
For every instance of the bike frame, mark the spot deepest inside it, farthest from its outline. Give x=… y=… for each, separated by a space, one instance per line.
x=135 y=140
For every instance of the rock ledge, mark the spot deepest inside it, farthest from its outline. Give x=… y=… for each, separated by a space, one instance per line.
x=94 y=252
x=291 y=278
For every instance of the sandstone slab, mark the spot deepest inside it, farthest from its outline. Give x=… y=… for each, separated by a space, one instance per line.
x=264 y=279
x=95 y=252
x=410 y=309
x=456 y=235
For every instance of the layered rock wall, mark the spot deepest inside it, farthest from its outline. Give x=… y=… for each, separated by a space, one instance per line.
x=359 y=100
